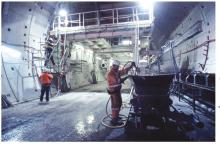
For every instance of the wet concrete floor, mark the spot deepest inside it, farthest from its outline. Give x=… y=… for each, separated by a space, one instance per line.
x=74 y=116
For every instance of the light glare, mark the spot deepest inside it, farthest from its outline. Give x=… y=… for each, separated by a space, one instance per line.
x=126 y=42
x=62 y=13
x=146 y=4
x=11 y=52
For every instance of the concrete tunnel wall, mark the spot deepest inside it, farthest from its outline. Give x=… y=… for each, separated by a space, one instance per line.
x=186 y=58
x=24 y=27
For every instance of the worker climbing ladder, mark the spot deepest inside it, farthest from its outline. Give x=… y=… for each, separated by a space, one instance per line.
x=59 y=53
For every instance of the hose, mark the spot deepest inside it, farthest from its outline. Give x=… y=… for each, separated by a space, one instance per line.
x=106 y=119
x=132 y=72
x=106 y=107
x=8 y=80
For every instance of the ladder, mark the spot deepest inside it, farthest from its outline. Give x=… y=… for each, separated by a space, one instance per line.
x=61 y=57
x=59 y=54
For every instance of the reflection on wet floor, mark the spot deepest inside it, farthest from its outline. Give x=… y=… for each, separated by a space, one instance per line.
x=64 y=118
x=90 y=119
x=76 y=117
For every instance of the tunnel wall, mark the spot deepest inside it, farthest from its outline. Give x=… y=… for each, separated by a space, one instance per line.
x=24 y=26
x=190 y=55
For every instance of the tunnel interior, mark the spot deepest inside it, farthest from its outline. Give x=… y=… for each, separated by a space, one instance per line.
x=169 y=95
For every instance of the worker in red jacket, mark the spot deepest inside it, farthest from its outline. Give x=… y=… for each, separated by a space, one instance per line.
x=45 y=80
x=114 y=88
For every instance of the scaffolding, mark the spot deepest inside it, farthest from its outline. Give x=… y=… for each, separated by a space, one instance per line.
x=105 y=22
x=117 y=19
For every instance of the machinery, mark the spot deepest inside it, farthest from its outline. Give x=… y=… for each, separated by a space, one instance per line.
x=153 y=113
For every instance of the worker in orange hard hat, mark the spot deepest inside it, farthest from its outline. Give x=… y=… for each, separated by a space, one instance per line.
x=114 y=88
x=45 y=80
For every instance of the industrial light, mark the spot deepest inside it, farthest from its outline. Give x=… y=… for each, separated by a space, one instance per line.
x=146 y=4
x=99 y=58
x=63 y=13
x=126 y=42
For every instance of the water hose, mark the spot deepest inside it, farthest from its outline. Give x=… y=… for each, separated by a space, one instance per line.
x=106 y=119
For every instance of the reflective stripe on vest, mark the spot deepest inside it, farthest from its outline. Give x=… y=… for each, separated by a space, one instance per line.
x=115 y=109
x=114 y=86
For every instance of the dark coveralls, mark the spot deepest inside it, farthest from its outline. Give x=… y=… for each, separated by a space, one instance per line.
x=48 y=53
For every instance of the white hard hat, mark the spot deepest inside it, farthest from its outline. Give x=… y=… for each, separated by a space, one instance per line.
x=45 y=70
x=115 y=62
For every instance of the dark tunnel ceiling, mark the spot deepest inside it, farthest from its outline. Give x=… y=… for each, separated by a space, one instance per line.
x=76 y=7
x=91 y=6
x=168 y=16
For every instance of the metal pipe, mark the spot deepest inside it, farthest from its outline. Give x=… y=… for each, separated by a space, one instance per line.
x=198 y=86
x=207 y=79
x=83 y=19
x=199 y=46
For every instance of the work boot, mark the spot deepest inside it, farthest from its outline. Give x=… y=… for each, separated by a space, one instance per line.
x=119 y=118
x=40 y=102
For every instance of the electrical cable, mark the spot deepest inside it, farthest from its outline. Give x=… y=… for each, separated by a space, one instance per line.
x=8 y=80
x=108 y=118
x=133 y=72
x=176 y=69
x=19 y=45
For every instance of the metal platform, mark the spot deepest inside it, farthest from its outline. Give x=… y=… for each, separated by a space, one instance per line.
x=102 y=20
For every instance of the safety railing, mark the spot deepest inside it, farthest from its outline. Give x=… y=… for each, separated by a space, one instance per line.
x=117 y=16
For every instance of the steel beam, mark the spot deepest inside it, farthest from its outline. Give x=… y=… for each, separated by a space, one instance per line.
x=100 y=35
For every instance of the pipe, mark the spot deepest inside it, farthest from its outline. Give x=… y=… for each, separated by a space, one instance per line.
x=176 y=69
x=19 y=45
x=199 y=46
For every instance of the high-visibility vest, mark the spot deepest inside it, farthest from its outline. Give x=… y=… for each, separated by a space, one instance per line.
x=114 y=79
x=46 y=78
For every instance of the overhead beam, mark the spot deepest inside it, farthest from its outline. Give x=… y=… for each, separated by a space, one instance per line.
x=128 y=49
x=100 y=35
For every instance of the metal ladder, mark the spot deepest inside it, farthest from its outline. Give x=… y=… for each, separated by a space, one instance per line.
x=61 y=58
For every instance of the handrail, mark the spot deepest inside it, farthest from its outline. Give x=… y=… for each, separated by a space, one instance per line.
x=115 y=16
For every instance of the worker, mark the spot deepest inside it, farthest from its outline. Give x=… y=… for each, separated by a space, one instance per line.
x=114 y=88
x=48 y=51
x=45 y=80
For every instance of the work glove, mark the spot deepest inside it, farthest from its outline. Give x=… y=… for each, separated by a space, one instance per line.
x=123 y=80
